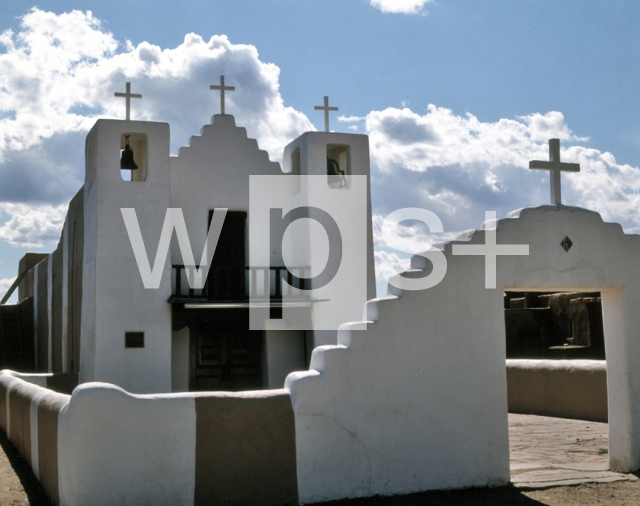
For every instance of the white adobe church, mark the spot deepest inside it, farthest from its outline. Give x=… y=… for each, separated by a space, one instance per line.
x=93 y=314
x=411 y=396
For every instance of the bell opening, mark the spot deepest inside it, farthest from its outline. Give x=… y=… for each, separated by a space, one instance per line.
x=338 y=166
x=133 y=156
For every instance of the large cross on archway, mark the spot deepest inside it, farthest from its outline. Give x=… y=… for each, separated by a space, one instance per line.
x=128 y=95
x=221 y=87
x=326 y=110
x=555 y=166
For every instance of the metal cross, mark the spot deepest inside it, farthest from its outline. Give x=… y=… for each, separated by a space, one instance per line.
x=490 y=250
x=555 y=166
x=326 y=110
x=128 y=95
x=222 y=89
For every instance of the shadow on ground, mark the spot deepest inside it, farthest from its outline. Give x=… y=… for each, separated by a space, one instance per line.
x=471 y=496
x=32 y=487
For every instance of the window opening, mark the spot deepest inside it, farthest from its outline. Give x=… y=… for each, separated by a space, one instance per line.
x=134 y=339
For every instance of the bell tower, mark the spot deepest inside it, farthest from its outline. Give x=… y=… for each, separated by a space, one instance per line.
x=335 y=158
x=132 y=350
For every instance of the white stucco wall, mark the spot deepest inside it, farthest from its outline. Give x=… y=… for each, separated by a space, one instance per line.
x=117 y=448
x=284 y=350
x=419 y=400
x=114 y=299
x=213 y=171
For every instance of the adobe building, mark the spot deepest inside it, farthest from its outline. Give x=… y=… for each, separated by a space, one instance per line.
x=411 y=395
x=86 y=307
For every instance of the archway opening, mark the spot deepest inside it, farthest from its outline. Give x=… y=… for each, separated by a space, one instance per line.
x=554 y=325
x=557 y=386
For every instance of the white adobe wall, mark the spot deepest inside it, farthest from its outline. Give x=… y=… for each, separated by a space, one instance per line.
x=123 y=434
x=419 y=400
x=284 y=351
x=561 y=388
x=213 y=171
x=114 y=300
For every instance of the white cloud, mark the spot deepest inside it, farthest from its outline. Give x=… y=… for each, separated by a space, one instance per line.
x=32 y=226
x=58 y=74
x=351 y=119
x=459 y=166
x=401 y=6
x=5 y=284
x=542 y=127
x=388 y=264
x=413 y=235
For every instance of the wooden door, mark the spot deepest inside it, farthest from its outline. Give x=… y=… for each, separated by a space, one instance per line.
x=226 y=279
x=225 y=354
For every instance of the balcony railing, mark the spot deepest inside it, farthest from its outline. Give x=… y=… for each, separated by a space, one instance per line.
x=239 y=283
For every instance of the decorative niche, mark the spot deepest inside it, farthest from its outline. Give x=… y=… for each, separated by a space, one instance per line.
x=135 y=155
x=338 y=166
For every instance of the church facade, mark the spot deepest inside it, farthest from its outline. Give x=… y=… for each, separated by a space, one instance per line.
x=92 y=313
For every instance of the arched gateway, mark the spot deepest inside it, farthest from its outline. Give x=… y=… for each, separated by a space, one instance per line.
x=419 y=400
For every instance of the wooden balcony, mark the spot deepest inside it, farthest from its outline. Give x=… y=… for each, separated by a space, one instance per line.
x=233 y=284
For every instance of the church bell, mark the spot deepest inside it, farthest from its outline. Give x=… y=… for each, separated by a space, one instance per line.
x=126 y=159
x=334 y=170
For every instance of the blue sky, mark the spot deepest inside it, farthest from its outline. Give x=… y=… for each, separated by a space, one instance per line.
x=456 y=96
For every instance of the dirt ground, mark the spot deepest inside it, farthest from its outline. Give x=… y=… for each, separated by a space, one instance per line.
x=19 y=487
x=610 y=494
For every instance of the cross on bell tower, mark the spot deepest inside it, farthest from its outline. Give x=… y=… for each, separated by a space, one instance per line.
x=128 y=96
x=555 y=166
x=221 y=87
x=326 y=110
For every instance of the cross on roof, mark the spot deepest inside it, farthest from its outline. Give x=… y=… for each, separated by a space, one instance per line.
x=222 y=89
x=326 y=110
x=490 y=250
x=128 y=95
x=555 y=166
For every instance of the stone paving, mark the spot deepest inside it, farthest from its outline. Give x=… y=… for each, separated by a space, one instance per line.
x=549 y=452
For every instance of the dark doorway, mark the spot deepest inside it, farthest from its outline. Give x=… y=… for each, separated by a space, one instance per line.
x=225 y=354
x=554 y=325
x=16 y=336
x=226 y=277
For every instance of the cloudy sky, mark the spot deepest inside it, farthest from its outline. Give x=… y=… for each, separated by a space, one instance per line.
x=456 y=96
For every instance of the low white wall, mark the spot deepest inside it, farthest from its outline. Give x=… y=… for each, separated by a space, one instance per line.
x=104 y=446
x=119 y=448
x=561 y=388
x=28 y=415
x=415 y=402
